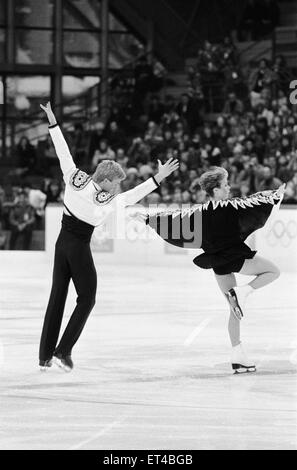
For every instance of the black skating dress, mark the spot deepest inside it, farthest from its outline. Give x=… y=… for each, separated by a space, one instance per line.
x=218 y=227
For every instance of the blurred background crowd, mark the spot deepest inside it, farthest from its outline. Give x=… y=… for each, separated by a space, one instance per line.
x=229 y=115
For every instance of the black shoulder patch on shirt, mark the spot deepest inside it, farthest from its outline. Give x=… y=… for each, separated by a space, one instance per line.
x=103 y=197
x=79 y=180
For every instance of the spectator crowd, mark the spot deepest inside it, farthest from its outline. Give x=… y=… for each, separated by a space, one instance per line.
x=253 y=136
x=22 y=211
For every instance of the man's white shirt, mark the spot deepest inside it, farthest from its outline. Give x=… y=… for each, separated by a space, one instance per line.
x=83 y=197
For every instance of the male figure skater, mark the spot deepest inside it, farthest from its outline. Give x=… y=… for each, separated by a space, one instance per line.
x=87 y=201
x=223 y=226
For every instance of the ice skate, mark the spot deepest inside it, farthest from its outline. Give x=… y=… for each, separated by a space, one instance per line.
x=63 y=362
x=236 y=298
x=240 y=362
x=45 y=365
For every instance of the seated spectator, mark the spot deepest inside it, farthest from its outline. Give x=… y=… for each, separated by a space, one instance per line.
x=122 y=158
x=165 y=194
x=284 y=171
x=26 y=155
x=207 y=137
x=79 y=143
x=261 y=78
x=103 y=152
x=285 y=143
x=228 y=52
x=244 y=189
x=177 y=196
x=139 y=152
x=115 y=136
x=273 y=142
x=267 y=181
x=145 y=171
x=168 y=140
x=130 y=180
x=153 y=135
x=233 y=105
x=233 y=174
x=234 y=80
x=264 y=111
x=53 y=191
x=37 y=200
x=21 y=220
x=96 y=135
x=170 y=119
x=282 y=100
x=249 y=146
x=208 y=58
x=186 y=197
x=179 y=132
x=183 y=107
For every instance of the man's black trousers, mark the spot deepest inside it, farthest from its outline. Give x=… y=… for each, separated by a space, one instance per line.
x=73 y=260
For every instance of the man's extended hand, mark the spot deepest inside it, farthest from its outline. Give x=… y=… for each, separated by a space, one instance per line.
x=49 y=112
x=165 y=170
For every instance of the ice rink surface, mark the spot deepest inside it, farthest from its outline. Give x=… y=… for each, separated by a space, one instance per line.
x=152 y=366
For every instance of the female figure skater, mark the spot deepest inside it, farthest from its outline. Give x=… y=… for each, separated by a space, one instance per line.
x=224 y=225
x=88 y=201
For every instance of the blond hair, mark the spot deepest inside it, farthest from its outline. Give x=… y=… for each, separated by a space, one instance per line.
x=212 y=179
x=108 y=169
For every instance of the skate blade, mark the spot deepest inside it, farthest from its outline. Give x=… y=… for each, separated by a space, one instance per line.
x=239 y=369
x=236 y=310
x=43 y=368
x=60 y=364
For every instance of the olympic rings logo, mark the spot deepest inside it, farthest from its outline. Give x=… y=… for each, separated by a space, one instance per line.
x=282 y=232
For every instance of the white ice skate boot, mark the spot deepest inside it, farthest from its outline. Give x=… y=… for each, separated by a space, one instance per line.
x=240 y=362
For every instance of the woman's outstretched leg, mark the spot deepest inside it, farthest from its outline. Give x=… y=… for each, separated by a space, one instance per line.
x=265 y=271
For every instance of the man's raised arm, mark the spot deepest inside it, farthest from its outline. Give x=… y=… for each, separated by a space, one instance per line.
x=60 y=144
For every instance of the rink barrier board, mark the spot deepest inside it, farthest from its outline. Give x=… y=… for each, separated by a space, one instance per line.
x=277 y=241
